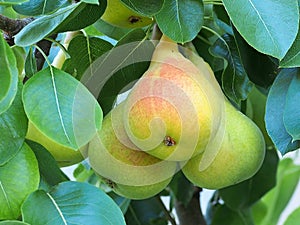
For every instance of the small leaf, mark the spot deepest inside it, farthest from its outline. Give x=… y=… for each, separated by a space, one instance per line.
x=293 y=218
x=13 y=222
x=96 y=2
x=291 y=110
x=122 y=202
x=53 y=97
x=110 y=30
x=18 y=178
x=8 y=76
x=13 y=128
x=235 y=81
x=49 y=170
x=39 y=7
x=11 y=2
x=71 y=203
x=73 y=17
x=292 y=57
x=145 y=7
x=257 y=22
x=251 y=190
x=84 y=51
x=276 y=103
x=181 y=20
x=20 y=55
x=30 y=63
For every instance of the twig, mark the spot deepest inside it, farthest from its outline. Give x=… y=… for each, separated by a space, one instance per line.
x=166 y=211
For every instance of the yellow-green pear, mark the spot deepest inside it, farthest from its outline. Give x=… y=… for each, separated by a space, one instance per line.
x=173 y=111
x=129 y=171
x=240 y=155
x=64 y=155
x=117 y=14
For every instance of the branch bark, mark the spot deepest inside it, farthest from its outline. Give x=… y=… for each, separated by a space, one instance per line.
x=192 y=214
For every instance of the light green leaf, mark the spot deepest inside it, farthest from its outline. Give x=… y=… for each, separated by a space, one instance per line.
x=61 y=108
x=13 y=222
x=20 y=55
x=96 y=2
x=71 y=203
x=8 y=75
x=292 y=57
x=73 y=17
x=269 y=26
x=145 y=7
x=39 y=7
x=11 y=2
x=181 y=20
x=293 y=218
x=13 y=128
x=18 y=178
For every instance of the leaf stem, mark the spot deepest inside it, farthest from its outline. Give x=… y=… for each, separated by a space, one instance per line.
x=166 y=211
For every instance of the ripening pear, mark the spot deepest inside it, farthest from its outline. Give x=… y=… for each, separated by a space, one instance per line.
x=129 y=171
x=240 y=155
x=173 y=111
x=63 y=155
x=117 y=14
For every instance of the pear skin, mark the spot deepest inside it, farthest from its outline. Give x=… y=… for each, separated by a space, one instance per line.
x=240 y=155
x=172 y=111
x=117 y=14
x=129 y=171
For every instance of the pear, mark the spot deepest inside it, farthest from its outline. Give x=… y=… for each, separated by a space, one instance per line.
x=129 y=171
x=64 y=155
x=117 y=14
x=173 y=111
x=240 y=155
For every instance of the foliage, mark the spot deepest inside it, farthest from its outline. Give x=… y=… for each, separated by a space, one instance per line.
x=248 y=44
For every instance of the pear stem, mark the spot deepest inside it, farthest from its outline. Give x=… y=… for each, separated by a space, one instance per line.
x=192 y=213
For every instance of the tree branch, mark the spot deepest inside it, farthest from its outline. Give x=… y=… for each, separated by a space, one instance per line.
x=192 y=214
x=166 y=211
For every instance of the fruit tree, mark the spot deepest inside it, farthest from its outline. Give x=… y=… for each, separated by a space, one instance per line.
x=151 y=103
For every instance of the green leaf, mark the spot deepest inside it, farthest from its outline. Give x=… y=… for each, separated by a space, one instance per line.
x=61 y=108
x=39 y=7
x=260 y=68
x=122 y=202
x=235 y=81
x=49 y=170
x=20 y=55
x=276 y=103
x=30 y=63
x=251 y=190
x=277 y=199
x=179 y=183
x=18 y=178
x=292 y=57
x=181 y=20
x=110 y=30
x=84 y=51
x=293 y=218
x=145 y=212
x=71 y=203
x=13 y=128
x=291 y=110
x=258 y=23
x=8 y=76
x=145 y=7
x=13 y=222
x=73 y=17
x=11 y=2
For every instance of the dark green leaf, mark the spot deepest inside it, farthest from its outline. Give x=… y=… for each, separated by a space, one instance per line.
x=20 y=55
x=251 y=190
x=54 y=97
x=49 y=170
x=257 y=22
x=30 y=63
x=145 y=7
x=276 y=104
x=13 y=128
x=235 y=81
x=73 y=17
x=291 y=110
x=8 y=76
x=39 y=7
x=71 y=203
x=277 y=199
x=181 y=20
x=261 y=69
x=145 y=212
x=180 y=183
x=122 y=202
x=84 y=51
x=18 y=178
